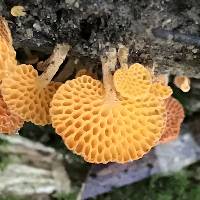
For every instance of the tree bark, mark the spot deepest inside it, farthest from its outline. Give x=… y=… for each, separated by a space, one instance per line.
x=163 y=34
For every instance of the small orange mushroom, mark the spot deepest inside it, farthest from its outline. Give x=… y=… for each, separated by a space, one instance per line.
x=102 y=126
x=9 y=122
x=25 y=93
x=182 y=82
x=175 y=116
x=133 y=82
x=28 y=94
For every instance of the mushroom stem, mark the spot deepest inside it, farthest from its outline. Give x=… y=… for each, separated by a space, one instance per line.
x=123 y=56
x=56 y=59
x=108 y=78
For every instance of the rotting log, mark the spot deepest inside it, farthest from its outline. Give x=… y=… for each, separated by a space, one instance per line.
x=160 y=34
x=30 y=169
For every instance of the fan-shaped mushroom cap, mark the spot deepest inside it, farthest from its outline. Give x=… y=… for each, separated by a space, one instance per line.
x=102 y=130
x=132 y=82
x=9 y=122
x=25 y=95
x=175 y=116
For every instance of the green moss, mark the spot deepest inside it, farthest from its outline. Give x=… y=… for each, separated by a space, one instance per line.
x=63 y=196
x=194 y=193
x=4 y=161
x=3 y=142
x=10 y=197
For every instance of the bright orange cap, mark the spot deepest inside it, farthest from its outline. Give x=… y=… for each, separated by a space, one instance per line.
x=25 y=95
x=175 y=116
x=133 y=82
x=104 y=129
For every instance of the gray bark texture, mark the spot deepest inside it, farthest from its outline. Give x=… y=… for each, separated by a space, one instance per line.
x=163 y=34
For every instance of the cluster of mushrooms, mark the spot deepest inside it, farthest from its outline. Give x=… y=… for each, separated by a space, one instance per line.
x=117 y=120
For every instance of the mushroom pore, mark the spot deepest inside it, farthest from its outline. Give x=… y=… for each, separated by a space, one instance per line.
x=102 y=126
x=175 y=116
x=28 y=94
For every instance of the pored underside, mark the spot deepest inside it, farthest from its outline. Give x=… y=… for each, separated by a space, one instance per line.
x=102 y=131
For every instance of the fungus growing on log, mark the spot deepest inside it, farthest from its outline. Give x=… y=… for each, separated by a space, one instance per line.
x=102 y=126
x=9 y=123
x=132 y=82
x=175 y=116
x=28 y=94
x=182 y=82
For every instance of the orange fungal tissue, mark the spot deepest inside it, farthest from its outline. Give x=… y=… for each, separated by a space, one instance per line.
x=7 y=52
x=175 y=116
x=28 y=94
x=160 y=90
x=134 y=81
x=117 y=120
x=182 y=82
x=25 y=95
x=9 y=123
x=102 y=125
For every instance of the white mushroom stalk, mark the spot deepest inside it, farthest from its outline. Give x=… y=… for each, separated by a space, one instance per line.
x=56 y=59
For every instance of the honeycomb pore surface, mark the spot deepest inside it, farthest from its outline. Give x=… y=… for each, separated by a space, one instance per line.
x=103 y=131
x=175 y=116
x=24 y=96
x=133 y=82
